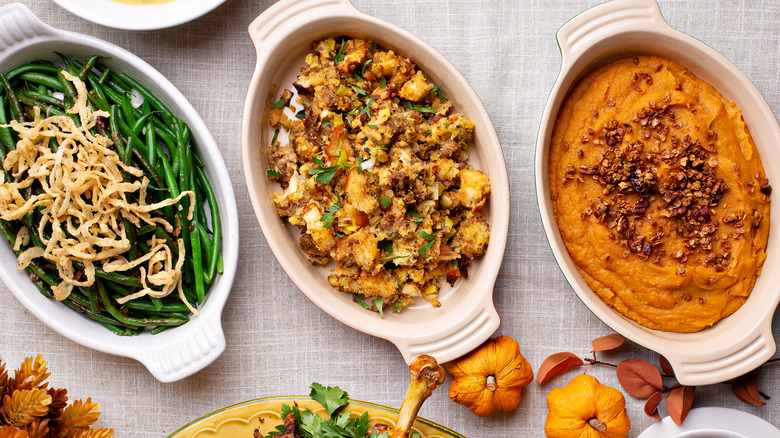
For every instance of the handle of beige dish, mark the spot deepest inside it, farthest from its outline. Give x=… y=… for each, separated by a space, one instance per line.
x=188 y=351
x=604 y=20
x=18 y=24
x=455 y=341
x=270 y=25
x=754 y=349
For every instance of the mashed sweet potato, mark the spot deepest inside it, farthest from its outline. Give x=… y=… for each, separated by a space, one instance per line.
x=659 y=194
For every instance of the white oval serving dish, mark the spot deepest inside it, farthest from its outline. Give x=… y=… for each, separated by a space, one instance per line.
x=139 y=17
x=282 y=36
x=742 y=341
x=175 y=353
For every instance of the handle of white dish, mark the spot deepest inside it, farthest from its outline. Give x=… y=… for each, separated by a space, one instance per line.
x=451 y=345
x=272 y=21
x=605 y=20
x=693 y=369
x=190 y=351
x=18 y=23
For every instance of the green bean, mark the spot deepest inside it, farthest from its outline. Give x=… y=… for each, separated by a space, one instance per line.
x=215 y=221
x=165 y=307
x=167 y=115
x=87 y=67
x=32 y=67
x=159 y=329
x=6 y=139
x=13 y=102
x=139 y=125
x=94 y=301
x=43 y=97
x=141 y=322
x=47 y=108
x=68 y=89
x=128 y=110
x=43 y=79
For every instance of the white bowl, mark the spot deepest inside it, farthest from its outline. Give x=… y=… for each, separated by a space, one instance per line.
x=283 y=35
x=742 y=341
x=175 y=353
x=139 y=17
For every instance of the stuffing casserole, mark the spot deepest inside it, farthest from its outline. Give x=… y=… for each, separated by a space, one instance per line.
x=374 y=172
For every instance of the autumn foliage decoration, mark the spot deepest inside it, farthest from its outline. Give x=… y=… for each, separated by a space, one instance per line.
x=491 y=377
x=30 y=408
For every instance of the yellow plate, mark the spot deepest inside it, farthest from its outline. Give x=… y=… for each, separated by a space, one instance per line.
x=241 y=420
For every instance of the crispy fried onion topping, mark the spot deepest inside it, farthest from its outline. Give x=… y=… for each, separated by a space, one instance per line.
x=85 y=204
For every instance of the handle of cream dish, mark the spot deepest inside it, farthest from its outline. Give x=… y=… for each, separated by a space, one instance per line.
x=455 y=341
x=270 y=25
x=606 y=20
x=185 y=350
x=18 y=25
x=739 y=359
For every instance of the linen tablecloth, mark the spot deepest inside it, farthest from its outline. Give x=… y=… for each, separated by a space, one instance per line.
x=277 y=341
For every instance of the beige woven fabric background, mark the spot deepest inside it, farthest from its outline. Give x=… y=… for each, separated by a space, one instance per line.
x=277 y=341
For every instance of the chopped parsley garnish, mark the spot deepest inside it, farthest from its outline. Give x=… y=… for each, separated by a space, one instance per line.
x=385 y=202
x=454 y=263
x=337 y=425
x=328 y=216
x=414 y=106
x=270 y=173
x=387 y=246
x=398 y=307
x=391 y=258
x=324 y=173
x=427 y=236
x=279 y=103
x=413 y=213
x=373 y=46
x=437 y=91
x=301 y=114
x=380 y=304
x=338 y=57
x=360 y=301
x=391 y=235
x=360 y=91
x=431 y=238
x=373 y=126
x=367 y=109
x=276 y=135
x=359 y=76
x=382 y=82
x=326 y=123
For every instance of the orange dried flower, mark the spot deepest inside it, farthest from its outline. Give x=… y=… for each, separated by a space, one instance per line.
x=24 y=406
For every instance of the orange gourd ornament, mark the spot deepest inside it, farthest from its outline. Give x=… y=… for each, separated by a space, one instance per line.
x=491 y=377
x=585 y=408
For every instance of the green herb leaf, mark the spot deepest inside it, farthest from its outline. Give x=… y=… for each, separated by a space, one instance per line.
x=414 y=106
x=326 y=174
x=454 y=263
x=413 y=213
x=391 y=235
x=328 y=217
x=270 y=173
x=279 y=103
x=427 y=236
x=339 y=56
x=359 y=76
x=367 y=109
x=438 y=92
x=301 y=114
x=398 y=307
x=331 y=398
x=318 y=162
x=385 y=202
x=360 y=301
x=326 y=123
x=382 y=82
x=373 y=126
x=380 y=304
x=387 y=259
x=276 y=135
x=425 y=248
x=360 y=91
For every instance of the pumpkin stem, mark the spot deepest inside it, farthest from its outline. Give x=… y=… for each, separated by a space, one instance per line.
x=598 y=425
x=491 y=383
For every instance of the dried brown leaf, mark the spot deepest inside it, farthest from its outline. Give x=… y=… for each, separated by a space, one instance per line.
x=59 y=399
x=639 y=378
x=556 y=364
x=666 y=367
x=746 y=389
x=651 y=406
x=679 y=402
x=607 y=343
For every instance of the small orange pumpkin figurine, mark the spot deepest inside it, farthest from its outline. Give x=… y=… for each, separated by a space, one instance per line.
x=585 y=408
x=491 y=377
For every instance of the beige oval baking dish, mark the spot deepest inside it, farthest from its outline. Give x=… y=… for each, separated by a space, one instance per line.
x=742 y=341
x=282 y=36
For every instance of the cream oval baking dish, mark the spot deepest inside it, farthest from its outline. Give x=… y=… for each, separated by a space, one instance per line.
x=742 y=341
x=282 y=36
x=177 y=352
